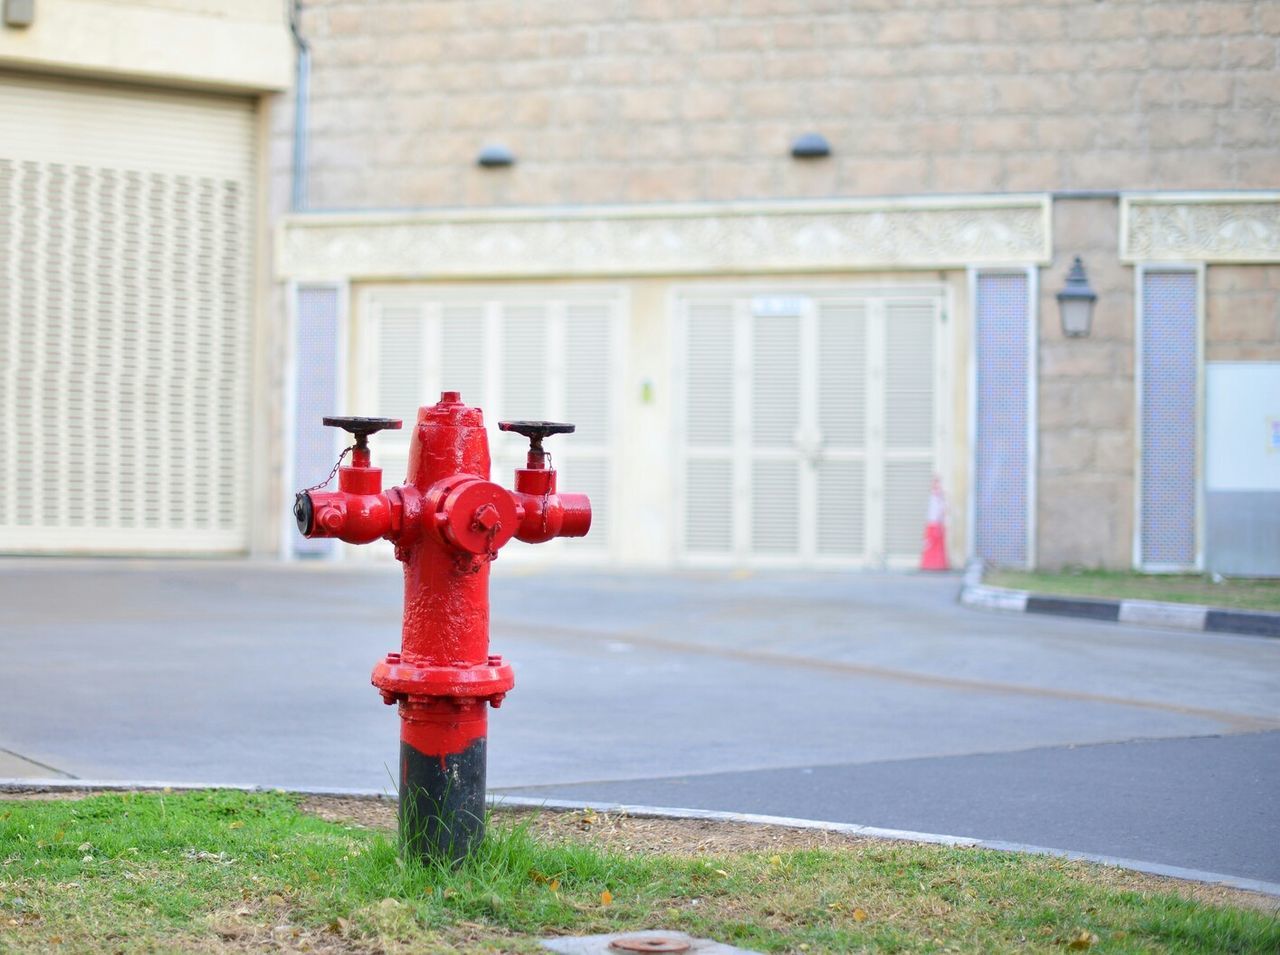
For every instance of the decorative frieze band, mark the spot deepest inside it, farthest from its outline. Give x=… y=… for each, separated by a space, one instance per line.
x=1203 y=227
x=667 y=240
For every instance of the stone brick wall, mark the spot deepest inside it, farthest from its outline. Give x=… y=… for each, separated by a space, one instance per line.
x=1086 y=400
x=1086 y=396
x=1242 y=312
x=657 y=100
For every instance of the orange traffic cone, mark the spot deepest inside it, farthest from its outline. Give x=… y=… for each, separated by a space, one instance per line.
x=934 y=555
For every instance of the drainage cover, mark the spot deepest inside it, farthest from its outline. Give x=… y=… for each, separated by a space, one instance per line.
x=629 y=943
x=649 y=943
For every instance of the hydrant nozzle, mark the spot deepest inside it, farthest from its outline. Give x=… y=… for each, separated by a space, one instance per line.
x=447 y=521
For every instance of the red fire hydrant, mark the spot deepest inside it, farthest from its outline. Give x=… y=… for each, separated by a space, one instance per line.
x=448 y=521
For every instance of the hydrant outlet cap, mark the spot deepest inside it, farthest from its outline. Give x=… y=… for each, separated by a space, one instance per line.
x=303 y=513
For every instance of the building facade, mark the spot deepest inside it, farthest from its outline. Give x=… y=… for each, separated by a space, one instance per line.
x=770 y=359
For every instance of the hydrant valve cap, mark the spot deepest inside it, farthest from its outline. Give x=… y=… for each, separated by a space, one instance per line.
x=479 y=517
x=303 y=512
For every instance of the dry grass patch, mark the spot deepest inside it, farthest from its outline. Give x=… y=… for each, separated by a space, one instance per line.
x=700 y=837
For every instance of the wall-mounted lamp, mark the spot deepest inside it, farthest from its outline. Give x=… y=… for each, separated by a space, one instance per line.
x=19 y=13
x=495 y=156
x=810 y=146
x=1075 y=302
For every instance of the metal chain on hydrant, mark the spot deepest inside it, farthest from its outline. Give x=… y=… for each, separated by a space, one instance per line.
x=546 y=494
x=325 y=483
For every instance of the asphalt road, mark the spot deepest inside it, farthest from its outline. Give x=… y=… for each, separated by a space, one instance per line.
x=867 y=698
x=1207 y=803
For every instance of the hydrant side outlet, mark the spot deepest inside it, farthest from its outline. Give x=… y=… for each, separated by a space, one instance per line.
x=448 y=521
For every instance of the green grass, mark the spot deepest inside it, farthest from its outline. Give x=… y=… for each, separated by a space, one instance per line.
x=1236 y=593
x=215 y=871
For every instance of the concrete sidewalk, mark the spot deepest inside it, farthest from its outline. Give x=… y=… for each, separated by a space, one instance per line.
x=259 y=674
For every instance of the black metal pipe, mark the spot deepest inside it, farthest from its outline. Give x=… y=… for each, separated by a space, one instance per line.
x=301 y=96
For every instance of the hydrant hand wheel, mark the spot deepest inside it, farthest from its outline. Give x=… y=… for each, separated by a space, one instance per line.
x=361 y=428
x=535 y=431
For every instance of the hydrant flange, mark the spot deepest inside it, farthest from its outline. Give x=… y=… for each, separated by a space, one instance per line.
x=494 y=679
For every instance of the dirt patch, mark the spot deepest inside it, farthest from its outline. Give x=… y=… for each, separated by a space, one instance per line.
x=685 y=837
x=691 y=837
x=266 y=925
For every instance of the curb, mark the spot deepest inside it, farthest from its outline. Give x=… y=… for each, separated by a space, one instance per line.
x=1145 y=613
x=666 y=812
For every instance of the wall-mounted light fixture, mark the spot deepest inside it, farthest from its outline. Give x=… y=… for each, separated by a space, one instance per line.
x=19 y=13
x=810 y=146
x=495 y=156
x=1075 y=302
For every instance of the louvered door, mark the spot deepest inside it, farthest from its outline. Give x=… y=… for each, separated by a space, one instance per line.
x=778 y=424
x=712 y=472
x=125 y=309
x=515 y=354
x=590 y=332
x=909 y=422
x=808 y=427
x=523 y=389
x=841 y=471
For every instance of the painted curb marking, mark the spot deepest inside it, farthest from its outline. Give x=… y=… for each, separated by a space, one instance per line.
x=1072 y=607
x=1146 y=613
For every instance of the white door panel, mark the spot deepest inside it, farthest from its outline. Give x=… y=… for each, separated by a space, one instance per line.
x=516 y=354
x=842 y=528
x=400 y=357
x=708 y=423
x=462 y=352
x=777 y=435
x=909 y=426
x=808 y=426
x=909 y=375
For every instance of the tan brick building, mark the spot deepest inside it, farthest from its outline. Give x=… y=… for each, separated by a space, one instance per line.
x=770 y=358
x=697 y=102
x=794 y=347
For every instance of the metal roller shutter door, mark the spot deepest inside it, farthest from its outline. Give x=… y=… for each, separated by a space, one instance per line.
x=125 y=278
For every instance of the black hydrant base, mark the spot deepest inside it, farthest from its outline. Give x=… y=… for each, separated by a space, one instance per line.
x=442 y=806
